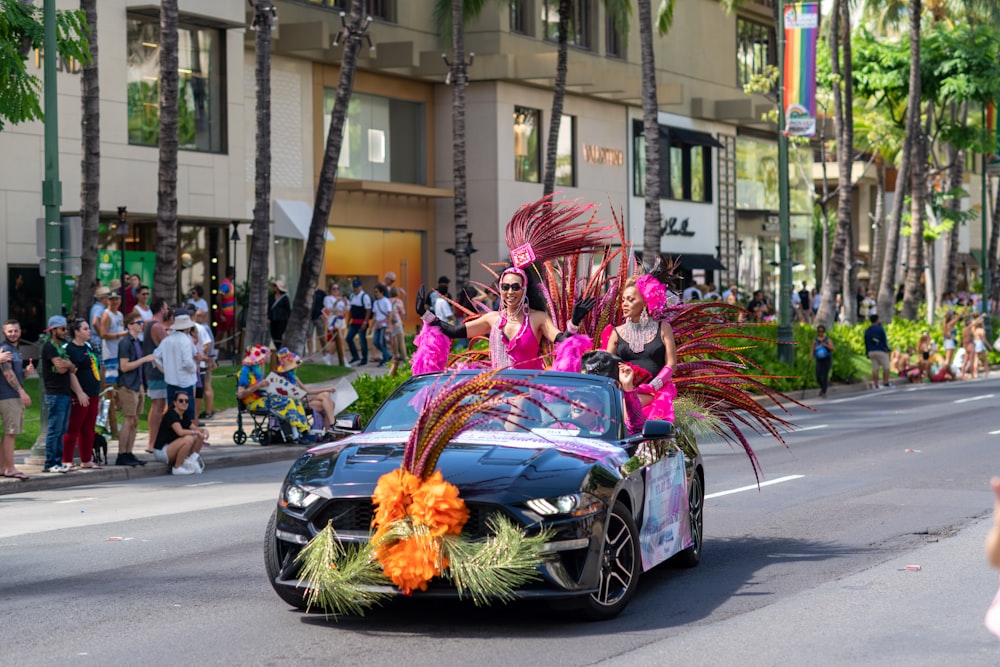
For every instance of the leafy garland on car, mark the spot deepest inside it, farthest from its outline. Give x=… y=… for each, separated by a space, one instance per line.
x=419 y=516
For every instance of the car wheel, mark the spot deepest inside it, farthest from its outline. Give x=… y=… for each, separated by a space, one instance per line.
x=620 y=566
x=691 y=556
x=273 y=560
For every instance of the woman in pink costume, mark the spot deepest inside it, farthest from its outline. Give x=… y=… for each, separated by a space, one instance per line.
x=645 y=341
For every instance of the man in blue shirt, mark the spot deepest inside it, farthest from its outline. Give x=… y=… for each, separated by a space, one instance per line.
x=877 y=347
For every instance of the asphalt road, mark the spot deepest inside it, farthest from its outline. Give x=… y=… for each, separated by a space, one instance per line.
x=809 y=568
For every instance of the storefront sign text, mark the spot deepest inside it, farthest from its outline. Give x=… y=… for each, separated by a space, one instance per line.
x=600 y=155
x=670 y=227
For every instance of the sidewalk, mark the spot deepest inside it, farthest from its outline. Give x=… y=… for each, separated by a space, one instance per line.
x=220 y=451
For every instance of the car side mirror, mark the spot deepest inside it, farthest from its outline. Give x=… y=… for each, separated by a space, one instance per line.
x=350 y=422
x=657 y=428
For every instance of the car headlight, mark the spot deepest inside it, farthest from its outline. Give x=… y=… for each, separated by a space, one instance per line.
x=573 y=504
x=297 y=497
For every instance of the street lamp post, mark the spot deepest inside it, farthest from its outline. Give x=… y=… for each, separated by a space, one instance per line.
x=122 y=230
x=786 y=337
x=235 y=237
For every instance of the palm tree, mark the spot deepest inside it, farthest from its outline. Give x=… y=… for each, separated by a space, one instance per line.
x=916 y=139
x=257 y=333
x=90 y=182
x=843 y=101
x=312 y=260
x=651 y=232
x=558 y=97
x=165 y=273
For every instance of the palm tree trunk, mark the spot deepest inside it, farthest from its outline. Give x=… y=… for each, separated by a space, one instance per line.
x=90 y=183
x=878 y=226
x=886 y=301
x=844 y=123
x=459 y=80
x=956 y=172
x=994 y=242
x=915 y=140
x=312 y=259
x=165 y=274
x=651 y=234
x=913 y=288
x=257 y=332
x=558 y=96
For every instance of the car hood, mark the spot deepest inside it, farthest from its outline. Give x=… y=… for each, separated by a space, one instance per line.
x=520 y=466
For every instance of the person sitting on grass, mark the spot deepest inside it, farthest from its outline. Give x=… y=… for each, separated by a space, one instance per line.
x=177 y=444
x=321 y=401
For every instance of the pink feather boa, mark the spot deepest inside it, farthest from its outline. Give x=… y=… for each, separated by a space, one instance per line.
x=662 y=405
x=569 y=353
x=432 y=350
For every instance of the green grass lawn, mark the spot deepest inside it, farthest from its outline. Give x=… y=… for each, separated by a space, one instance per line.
x=223 y=382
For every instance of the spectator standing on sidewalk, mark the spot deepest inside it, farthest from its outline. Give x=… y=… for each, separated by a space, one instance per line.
x=83 y=413
x=175 y=357
x=153 y=334
x=335 y=308
x=13 y=398
x=360 y=305
x=60 y=385
x=112 y=331
x=279 y=312
x=131 y=390
x=823 y=356
x=206 y=365
x=877 y=348
x=142 y=306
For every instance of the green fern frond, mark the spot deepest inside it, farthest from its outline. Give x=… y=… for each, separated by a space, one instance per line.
x=338 y=578
x=492 y=569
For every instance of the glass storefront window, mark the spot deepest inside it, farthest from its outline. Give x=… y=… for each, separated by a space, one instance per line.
x=755 y=50
x=201 y=94
x=384 y=138
x=685 y=164
x=579 y=28
x=757 y=176
x=565 y=154
x=526 y=149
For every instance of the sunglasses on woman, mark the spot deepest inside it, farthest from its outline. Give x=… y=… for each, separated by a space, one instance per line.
x=510 y=287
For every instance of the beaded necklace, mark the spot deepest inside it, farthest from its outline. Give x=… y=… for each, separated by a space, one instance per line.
x=638 y=334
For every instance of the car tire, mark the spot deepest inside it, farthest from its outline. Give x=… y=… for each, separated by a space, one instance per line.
x=620 y=567
x=691 y=556
x=272 y=563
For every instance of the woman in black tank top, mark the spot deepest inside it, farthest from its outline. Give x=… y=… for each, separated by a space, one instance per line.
x=647 y=343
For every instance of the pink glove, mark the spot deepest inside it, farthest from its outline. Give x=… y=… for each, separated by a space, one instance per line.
x=662 y=378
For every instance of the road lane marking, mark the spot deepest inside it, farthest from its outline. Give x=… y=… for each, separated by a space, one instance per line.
x=810 y=428
x=72 y=500
x=972 y=398
x=753 y=487
x=218 y=481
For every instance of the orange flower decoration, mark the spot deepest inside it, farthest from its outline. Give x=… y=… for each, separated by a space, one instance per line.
x=412 y=562
x=393 y=495
x=437 y=506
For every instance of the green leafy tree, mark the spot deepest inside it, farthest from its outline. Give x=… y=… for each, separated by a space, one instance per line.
x=21 y=30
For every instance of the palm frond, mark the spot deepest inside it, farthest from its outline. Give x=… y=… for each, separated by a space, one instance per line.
x=338 y=578
x=492 y=569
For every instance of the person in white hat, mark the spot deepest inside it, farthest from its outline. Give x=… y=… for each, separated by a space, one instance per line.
x=174 y=356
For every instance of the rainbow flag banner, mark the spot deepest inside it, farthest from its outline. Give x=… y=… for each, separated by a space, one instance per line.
x=801 y=24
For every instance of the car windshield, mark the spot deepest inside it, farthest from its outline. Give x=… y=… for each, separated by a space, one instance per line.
x=562 y=405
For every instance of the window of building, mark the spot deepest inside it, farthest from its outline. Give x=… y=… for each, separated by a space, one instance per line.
x=384 y=10
x=384 y=138
x=580 y=22
x=757 y=176
x=565 y=153
x=685 y=163
x=756 y=48
x=527 y=154
x=201 y=93
x=519 y=17
x=614 y=38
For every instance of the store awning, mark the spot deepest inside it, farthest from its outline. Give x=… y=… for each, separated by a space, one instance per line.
x=688 y=136
x=691 y=261
x=292 y=219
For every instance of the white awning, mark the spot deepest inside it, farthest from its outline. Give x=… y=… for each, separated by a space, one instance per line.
x=292 y=219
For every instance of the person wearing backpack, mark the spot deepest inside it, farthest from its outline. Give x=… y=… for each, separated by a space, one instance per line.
x=823 y=356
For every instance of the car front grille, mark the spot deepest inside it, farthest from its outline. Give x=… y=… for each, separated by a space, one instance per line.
x=355 y=515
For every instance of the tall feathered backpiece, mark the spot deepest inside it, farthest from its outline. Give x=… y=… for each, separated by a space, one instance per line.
x=546 y=229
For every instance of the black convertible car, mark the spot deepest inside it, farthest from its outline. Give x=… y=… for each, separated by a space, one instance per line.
x=616 y=505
